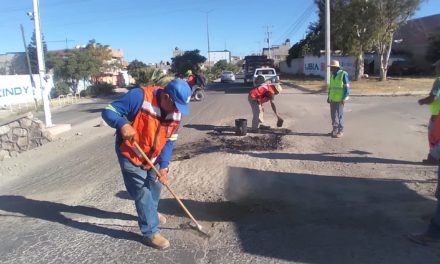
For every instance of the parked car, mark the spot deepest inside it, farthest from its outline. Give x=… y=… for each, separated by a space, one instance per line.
x=239 y=75
x=402 y=67
x=227 y=76
x=269 y=74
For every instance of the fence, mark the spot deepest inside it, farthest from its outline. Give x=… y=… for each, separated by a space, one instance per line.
x=60 y=101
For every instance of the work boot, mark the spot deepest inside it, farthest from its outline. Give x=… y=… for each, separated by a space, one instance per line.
x=162 y=219
x=339 y=134
x=334 y=132
x=157 y=241
x=424 y=239
x=430 y=160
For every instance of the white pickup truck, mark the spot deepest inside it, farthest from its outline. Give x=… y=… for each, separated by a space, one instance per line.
x=269 y=74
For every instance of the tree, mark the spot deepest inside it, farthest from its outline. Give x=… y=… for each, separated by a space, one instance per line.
x=135 y=67
x=354 y=26
x=433 y=52
x=151 y=76
x=190 y=60
x=101 y=60
x=32 y=50
x=391 y=14
x=313 y=43
x=223 y=65
x=79 y=65
x=359 y=26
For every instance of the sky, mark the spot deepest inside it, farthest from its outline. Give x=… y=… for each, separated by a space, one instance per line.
x=149 y=30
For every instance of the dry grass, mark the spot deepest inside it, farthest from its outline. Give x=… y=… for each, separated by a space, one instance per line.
x=372 y=85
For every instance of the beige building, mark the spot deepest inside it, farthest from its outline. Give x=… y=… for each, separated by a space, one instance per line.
x=278 y=53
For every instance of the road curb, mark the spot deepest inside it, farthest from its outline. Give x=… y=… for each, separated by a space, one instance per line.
x=58 y=129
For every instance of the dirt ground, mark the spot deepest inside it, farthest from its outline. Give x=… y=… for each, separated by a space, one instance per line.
x=290 y=195
x=393 y=85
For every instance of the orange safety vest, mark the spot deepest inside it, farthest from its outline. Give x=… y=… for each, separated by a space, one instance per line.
x=258 y=92
x=434 y=136
x=153 y=132
x=191 y=80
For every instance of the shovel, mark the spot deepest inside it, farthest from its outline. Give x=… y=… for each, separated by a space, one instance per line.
x=197 y=225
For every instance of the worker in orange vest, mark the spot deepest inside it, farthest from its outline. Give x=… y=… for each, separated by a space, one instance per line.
x=259 y=95
x=149 y=116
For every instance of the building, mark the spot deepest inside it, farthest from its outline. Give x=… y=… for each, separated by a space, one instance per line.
x=13 y=63
x=114 y=76
x=278 y=53
x=216 y=56
x=412 y=40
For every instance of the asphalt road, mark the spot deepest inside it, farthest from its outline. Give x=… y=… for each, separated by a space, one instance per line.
x=316 y=200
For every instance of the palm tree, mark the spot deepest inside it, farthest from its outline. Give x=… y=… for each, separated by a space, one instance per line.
x=152 y=76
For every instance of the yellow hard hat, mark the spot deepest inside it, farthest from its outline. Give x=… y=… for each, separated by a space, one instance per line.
x=188 y=73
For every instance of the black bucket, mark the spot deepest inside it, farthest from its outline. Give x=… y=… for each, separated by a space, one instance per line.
x=240 y=127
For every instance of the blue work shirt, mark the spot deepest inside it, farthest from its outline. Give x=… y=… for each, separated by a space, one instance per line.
x=125 y=110
x=436 y=88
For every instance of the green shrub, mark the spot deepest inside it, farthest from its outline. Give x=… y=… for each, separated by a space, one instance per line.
x=100 y=89
x=60 y=88
x=83 y=93
x=151 y=76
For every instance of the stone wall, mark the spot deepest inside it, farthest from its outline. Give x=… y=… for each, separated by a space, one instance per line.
x=20 y=134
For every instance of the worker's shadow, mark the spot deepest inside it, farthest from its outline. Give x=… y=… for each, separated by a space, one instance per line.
x=350 y=157
x=310 y=218
x=53 y=212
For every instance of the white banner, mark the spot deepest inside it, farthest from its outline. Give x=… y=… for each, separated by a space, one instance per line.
x=17 y=89
x=316 y=65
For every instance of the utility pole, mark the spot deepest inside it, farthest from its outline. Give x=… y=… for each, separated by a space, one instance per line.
x=29 y=67
x=327 y=42
x=207 y=34
x=41 y=65
x=269 y=35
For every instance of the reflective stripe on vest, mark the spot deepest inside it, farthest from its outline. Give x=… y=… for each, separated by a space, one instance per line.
x=336 y=92
x=435 y=105
x=152 y=131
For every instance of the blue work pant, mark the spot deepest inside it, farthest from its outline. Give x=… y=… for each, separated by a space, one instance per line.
x=145 y=190
x=337 y=114
x=434 y=227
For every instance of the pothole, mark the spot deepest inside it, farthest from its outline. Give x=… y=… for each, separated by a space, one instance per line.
x=227 y=141
x=261 y=143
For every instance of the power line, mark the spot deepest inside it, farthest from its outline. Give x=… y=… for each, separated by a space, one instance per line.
x=65 y=40
x=298 y=23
